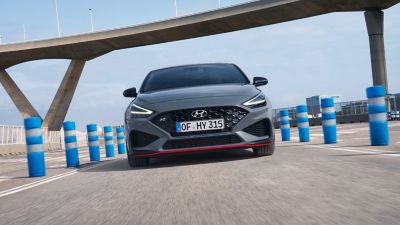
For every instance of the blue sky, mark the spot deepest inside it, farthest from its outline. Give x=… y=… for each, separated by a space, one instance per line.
x=328 y=54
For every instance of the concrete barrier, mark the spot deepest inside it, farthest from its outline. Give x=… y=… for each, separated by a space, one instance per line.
x=9 y=150
x=34 y=146
x=378 y=125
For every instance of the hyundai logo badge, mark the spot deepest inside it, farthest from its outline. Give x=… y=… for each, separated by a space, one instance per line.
x=199 y=113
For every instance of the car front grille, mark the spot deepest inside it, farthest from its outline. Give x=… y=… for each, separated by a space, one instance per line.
x=261 y=128
x=141 y=139
x=232 y=115
x=201 y=142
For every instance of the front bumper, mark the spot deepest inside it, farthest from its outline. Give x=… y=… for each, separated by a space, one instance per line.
x=155 y=141
x=203 y=149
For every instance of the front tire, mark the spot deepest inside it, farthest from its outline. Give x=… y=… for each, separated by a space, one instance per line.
x=264 y=150
x=137 y=162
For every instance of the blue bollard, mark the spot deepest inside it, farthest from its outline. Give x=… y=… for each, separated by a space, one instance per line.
x=108 y=141
x=93 y=142
x=285 y=125
x=329 y=120
x=378 y=125
x=120 y=140
x=302 y=123
x=34 y=147
x=71 y=147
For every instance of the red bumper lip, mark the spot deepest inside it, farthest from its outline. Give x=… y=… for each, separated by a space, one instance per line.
x=173 y=151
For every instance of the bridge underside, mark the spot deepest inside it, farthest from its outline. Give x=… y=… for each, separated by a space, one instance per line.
x=81 y=48
x=240 y=17
x=61 y=102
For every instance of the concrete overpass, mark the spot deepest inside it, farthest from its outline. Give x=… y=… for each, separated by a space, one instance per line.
x=81 y=48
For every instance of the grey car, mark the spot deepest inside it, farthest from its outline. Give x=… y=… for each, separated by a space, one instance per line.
x=194 y=108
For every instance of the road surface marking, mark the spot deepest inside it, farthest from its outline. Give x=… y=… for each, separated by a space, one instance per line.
x=355 y=130
x=5 y=178
x=35 y=184
x=364 y=150
x=56 y=166
x=12 y=160
x=54 y=158
x=47 y=159
x=25 y=160
x=50 y=179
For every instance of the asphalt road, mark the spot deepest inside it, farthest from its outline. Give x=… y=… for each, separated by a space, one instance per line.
x=347 y=183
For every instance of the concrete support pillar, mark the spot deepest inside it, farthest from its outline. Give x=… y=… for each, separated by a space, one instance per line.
x=62 y=100
x=19 y=99
x=375 y=25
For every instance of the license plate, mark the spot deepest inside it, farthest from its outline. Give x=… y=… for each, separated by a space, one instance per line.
x=200 y=125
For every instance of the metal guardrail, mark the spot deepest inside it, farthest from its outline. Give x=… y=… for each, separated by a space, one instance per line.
x=14 y=135
x=10 y=135
x=12 y=140
x=81 y=139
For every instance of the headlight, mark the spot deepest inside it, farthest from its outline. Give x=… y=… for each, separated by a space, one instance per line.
x=137 y=111
x=258 y=101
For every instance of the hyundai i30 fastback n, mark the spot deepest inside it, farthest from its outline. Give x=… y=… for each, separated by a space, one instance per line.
x=191 y=108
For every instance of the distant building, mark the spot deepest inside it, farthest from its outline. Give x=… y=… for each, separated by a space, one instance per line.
x=354 y=107
x=357 y=107
x=395 y=102
x=314 y=104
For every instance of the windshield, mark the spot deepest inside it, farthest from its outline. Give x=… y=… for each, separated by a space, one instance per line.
x=193 y=75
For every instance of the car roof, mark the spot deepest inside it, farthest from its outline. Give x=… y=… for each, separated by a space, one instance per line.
x=191 y=65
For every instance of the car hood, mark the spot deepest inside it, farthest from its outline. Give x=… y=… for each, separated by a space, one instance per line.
x=242 y=93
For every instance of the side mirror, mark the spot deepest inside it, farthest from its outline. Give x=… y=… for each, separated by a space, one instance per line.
x=260 y=81
x=130 y=93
